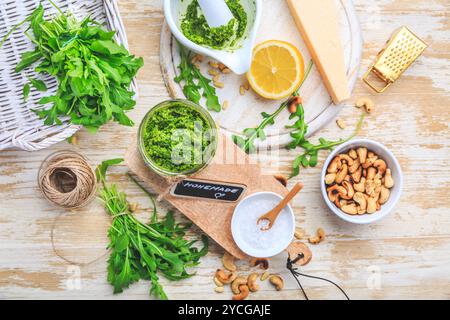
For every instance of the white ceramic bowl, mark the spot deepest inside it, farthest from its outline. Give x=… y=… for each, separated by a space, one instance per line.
x=392 y=164
x=284 y=233
x=238 y=60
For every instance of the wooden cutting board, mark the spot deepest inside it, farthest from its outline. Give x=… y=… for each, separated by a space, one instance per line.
x=244 y=111
x=230 y=165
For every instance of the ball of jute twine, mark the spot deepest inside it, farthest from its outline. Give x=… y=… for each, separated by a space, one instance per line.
x=67 y=180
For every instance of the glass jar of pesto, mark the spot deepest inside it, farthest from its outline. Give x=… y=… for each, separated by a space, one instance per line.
x=177 y=137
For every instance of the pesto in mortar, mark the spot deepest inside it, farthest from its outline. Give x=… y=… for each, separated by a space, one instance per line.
x=175 y=138
x=195 y=27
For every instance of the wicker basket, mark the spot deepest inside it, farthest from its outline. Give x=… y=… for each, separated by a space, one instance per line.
x=19 y=126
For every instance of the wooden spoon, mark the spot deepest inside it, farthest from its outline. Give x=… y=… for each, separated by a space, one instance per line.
x=272 y=215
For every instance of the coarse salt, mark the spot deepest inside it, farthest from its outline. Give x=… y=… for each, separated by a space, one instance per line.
x=248 y=234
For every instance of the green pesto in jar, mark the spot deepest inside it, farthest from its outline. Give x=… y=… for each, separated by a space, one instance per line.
x=181 y=127
x=195 y=27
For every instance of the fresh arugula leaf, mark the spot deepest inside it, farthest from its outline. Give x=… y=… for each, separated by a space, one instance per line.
x=38 y=84
x=26 y=91
x=108 y=47
x=27 y=59
x=103 y=167
x=209 y=92
x=195 y=84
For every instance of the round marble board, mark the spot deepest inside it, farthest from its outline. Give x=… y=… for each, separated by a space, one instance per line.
x=244 y=111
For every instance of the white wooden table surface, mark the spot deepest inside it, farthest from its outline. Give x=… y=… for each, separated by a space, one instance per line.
x=406 y=255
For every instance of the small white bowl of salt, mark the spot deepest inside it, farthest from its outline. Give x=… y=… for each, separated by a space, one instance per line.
x=247 y=232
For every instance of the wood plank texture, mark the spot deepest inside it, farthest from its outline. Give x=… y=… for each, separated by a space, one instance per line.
x=406 y=255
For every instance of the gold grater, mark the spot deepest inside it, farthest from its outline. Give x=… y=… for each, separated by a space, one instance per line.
x=398 y=54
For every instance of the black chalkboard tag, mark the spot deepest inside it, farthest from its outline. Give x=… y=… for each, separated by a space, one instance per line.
x=212 y=190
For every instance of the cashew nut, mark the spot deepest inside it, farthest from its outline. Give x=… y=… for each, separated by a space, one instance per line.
x=337 y=201
x=314 y=240
x=380 y=164
x=370 y=188
x=251 y=282
x=277 y=281
x=346 y=158
x=342 y=173
x=360 y=200
x=361 y=186
x=334 y=191
x=350 y=191
x=217 y=282
x=243 y=293
x=263 y=263
x=356 y=176
x=332 y=196
x=375 y=192
x=236 y=283
x=366 y=103
x=329 y=178
x=370 y=160
x=320 y=236
x=362 y=154
x=350 y=209
x=293 y=104
x=377 y=179
x=225 y=278
x=335 y=164
x=354 y=166
x=352 y=153
x=361 y=210
x=384 y=195
x=341 y=203
x=388 y=181
x=371 y=172
x=371 y=205
x=299 y=233
x=228 y=262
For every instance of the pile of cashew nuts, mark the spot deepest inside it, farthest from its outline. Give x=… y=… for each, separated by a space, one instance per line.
x=358 y=182
x=241 y=286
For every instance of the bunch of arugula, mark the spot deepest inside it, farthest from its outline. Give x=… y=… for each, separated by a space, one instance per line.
x=94 y=73
x=309 y=157
x=195 y=84
x=140 y=251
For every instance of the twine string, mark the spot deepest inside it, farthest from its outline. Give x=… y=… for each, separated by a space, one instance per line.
x=290 y=266
x=173 y=181
x=67 y=180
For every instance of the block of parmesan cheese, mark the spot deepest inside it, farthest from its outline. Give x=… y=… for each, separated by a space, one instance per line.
x=318 y=25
